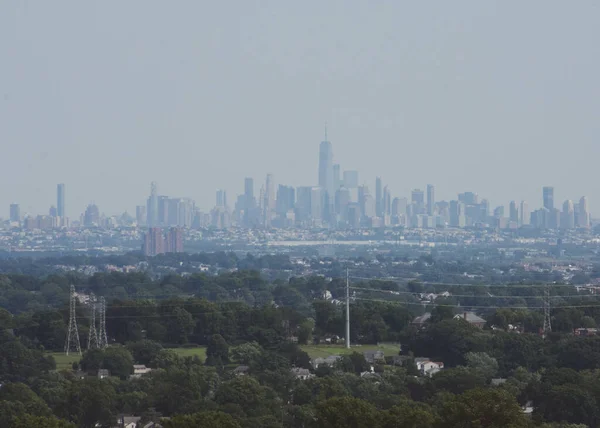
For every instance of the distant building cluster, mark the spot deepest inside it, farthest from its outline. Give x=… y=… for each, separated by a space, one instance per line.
x=156 y=242
x=337 y=201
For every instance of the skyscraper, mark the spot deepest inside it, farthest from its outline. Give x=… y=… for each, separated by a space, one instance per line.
x=430 y=199
x=326 y=166
x=524 y=215
x=337 y=180
x=270 y=193
x=568 y=215
x=140 y=215
x=378 y=197
x=92 y=216
x=152 y=210
x=584 y=213
x=418 y=201
x=60 y=200
x=15 y=213
x=513 y=212
x=221 y=198
x=548 y=195
x=154 y=243
x=174 y=240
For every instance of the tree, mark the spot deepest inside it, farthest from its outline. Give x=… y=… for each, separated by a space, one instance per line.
x=211 y=419
x=305 y=331
x=409 y=415
x=246 y=353
x=484 y=365
x=569 y=402
x=346 y=412
x=118 y=361
x=21 y=393
x=28 y=421
x=92 y=360
x=217 y=351
x=441 y=313
x=482 y=408
x=144 y=351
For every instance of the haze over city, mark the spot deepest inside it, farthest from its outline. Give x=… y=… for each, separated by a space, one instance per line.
x=467 y=96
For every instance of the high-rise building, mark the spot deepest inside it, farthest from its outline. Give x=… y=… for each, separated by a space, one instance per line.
x=53 y=212
x=524 y=215
x=418 y=201
x=548 y=195
x=430 y=199
x=583 y=218
x=154 y=242
x=174 y=240
x=326 y=168
x=163 y=210
x=468 y=198
x=399 y=206
x=378 y=197
x=15 y=213
x=303 y=202
x=387 y=201
x=152 y=206
x=568 y=215
x=513 y=212
x=337 y=180
x=342 y=200
x=286 y=199
x=60 y=200
x=91 y=217
x=221 y=198
x=317 y=198
x=140 y=215
x=270 y=193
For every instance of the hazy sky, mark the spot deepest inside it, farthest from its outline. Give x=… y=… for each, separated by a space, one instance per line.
x=496 y=97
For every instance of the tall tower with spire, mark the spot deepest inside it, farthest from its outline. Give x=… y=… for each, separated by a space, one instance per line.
x=326 y=169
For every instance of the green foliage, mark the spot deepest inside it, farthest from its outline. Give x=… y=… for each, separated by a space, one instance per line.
x=482 y=408
x=203 y=419
x=346 y=412
x=217 y=352
x=144 y=351
x=29 y=421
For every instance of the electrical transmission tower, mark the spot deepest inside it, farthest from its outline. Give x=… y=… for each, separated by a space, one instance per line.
x=102 y=340
x=72 y=333
x=92 y=336
x=547 y=326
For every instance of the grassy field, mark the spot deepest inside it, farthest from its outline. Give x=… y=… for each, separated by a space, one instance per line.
x=64 y=362
x=200 y=351
x=324 y=351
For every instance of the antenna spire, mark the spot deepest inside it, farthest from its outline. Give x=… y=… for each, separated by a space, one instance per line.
x=326 y=131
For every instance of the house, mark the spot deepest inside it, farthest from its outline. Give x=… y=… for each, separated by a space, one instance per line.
x=302 y=374
x=128 y=421
x=472 y=319
x=498 y=381
x=139 y=370
x=329 y=361
x=585 y=331
x=370 y=375
x=102 y=373
x=241 y=370
x=421 y=321
x=427 y=367
x=373 y=357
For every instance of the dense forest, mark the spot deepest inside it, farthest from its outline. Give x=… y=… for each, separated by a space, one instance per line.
x=505 y=374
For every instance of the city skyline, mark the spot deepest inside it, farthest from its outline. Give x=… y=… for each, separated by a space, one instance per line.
x=336 y=201
x=423 y=94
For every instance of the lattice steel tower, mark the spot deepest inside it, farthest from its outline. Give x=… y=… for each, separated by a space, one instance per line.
x=72 y=333
x=102 y=339
x=547 y=326
x=92 y=336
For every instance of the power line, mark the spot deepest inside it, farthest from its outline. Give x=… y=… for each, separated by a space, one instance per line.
x=540 y=296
